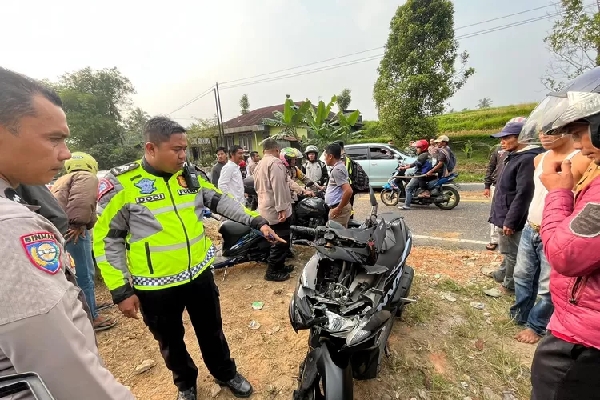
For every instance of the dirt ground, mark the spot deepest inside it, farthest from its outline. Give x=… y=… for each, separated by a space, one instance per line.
x=443 y=348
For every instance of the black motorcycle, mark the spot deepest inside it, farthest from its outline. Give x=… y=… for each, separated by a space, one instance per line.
x=242 y=244
x=348 y=296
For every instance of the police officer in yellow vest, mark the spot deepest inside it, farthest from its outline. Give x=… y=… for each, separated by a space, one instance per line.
x=153 y=252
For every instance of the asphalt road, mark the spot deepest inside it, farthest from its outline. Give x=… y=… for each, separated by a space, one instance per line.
x=463 y=227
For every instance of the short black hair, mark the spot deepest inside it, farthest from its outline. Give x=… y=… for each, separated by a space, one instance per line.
x=270 y=144
x=339 y=143
x=234 y=149
x=253 y=153
x=335 y=150
x=16 y=98
x=159 y=129
x=221 y=148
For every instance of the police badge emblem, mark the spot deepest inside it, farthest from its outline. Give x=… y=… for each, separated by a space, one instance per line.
x=146 y=186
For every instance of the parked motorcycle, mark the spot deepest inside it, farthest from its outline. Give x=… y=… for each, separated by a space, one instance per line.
x=348 y=296
x=444 y=191
x=241 y=243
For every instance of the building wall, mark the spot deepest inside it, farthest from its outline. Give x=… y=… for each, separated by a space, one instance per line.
x=252 y=139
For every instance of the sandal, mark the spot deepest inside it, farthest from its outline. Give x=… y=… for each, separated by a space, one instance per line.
x=104 y=324
x=491 y=246
x=104 y=306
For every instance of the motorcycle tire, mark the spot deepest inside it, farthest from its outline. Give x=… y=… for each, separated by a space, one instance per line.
x=389 y=197
x=454 y=198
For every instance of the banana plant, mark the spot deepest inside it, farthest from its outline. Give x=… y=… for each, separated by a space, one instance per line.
x=290 y=119
x=325 y=130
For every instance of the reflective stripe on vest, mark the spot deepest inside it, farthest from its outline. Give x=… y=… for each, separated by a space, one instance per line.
x=166 y=245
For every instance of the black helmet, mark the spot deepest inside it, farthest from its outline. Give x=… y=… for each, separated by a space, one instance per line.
x=579 y=101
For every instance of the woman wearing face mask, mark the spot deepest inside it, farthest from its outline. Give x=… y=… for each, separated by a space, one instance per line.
x=567 y=360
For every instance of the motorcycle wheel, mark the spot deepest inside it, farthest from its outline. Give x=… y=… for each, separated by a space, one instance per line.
x=389 y=197
x=453 y=198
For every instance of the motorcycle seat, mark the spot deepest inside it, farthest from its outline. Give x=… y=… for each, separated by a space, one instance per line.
x=231 y=229
x=390 y=257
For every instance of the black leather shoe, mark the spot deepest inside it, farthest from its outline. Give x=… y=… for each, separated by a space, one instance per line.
x=189 y=394
x=239 y=386
x=278 y=276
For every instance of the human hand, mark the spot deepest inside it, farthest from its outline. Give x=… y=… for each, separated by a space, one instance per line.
x=130 y=307
x=309 y=193
x=507 y=231
x=75 y=233
x=334 y=213
x=270 y=234
x=486 y=193
x=281 y=216
x=558 y=176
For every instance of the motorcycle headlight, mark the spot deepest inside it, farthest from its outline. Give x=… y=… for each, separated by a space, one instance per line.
x=337 y=323
x=356 y=336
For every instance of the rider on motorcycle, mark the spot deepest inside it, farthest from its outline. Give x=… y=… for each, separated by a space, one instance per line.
x=313 y=168
x=422 y=165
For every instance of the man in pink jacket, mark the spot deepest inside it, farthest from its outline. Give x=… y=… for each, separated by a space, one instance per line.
x=566 y=364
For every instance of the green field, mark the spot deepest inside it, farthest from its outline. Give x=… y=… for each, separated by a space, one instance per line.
x=469 y=133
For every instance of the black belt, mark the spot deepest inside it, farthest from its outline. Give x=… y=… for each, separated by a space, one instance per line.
x=334 y=205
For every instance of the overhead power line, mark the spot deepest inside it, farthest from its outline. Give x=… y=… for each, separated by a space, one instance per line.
x=380 y=55
x=269 y=78
x=381 y=47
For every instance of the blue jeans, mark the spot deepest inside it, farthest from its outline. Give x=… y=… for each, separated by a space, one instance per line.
x=84 y=269
x=410 y=190
x=532 y=278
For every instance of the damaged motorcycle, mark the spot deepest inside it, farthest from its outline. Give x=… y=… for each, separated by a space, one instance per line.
x=348 y=297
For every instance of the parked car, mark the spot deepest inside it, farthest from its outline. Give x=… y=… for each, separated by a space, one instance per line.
x=378 y=160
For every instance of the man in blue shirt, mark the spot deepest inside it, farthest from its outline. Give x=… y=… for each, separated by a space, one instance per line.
x=339 y=192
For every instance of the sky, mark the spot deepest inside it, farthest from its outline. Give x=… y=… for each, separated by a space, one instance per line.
x=177 y=50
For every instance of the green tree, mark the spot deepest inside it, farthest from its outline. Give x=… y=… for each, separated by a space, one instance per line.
x=574 y=41
x=344 y=99
x=486 y=102
x=95 y=102
x=418 y=71
x=290 y=119
x=245 y=104
x=134 y=127
x=203 y=135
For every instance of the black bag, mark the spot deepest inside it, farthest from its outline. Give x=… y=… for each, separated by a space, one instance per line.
x=359 y=179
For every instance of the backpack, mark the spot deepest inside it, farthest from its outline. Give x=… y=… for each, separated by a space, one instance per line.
x=450 y=159
x=359 y=180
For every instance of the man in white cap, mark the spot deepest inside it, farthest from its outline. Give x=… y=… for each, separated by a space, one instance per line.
x=446 y=162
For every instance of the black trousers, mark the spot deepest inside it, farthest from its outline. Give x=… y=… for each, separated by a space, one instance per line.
x=279 y=251
x=162 y=311
x=565 y=371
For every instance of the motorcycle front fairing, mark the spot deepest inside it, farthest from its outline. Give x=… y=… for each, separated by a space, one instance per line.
x=366 y=293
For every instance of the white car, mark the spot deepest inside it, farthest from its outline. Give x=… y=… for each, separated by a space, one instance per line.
x=378 y=160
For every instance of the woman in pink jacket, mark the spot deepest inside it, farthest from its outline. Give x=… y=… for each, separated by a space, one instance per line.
x=566 y=364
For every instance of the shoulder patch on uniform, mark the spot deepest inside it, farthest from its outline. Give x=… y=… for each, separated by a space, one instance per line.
x=124 y=168
x=43 y=251
x=104 y=186
x=587 y=222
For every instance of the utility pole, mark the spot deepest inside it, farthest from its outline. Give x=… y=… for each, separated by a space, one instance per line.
x=218 y=114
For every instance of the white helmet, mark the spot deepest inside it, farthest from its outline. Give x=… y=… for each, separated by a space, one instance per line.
x=311 y=149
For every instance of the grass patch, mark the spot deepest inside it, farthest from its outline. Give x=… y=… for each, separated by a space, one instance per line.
x=489 y=118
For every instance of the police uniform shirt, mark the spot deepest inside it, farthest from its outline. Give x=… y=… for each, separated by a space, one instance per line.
x=43 y=327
